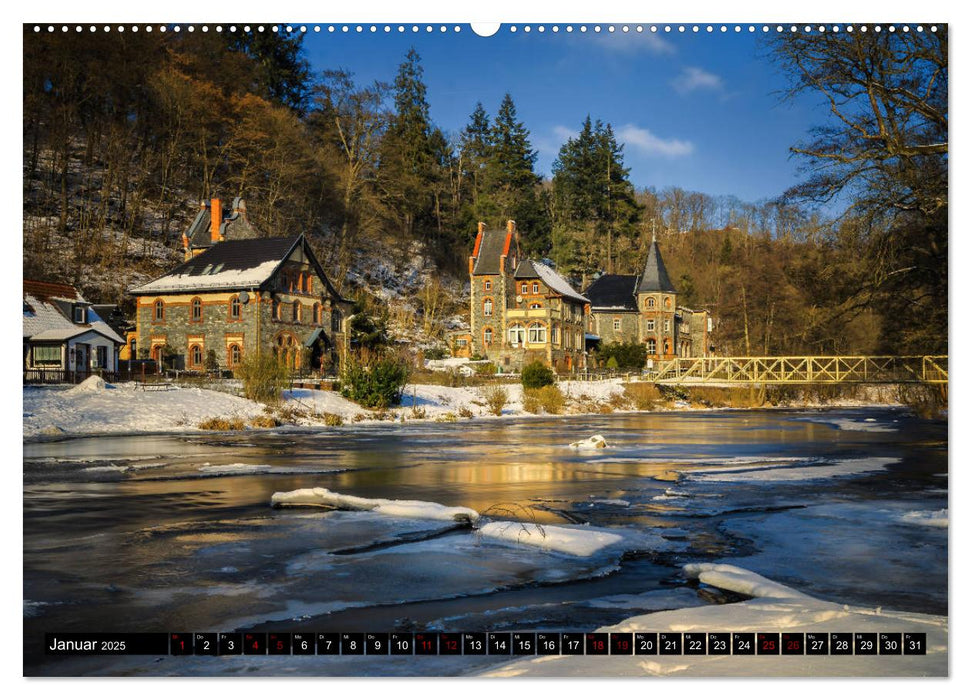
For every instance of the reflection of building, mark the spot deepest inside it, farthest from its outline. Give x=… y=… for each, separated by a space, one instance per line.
x=521 y=310
x=64 y=337
x=235 y=296
x=644 y=309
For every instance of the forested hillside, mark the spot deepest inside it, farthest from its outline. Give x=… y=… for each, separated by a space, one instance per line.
x=125 y=133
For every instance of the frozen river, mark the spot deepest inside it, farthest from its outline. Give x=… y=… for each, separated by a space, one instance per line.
x=175 y=533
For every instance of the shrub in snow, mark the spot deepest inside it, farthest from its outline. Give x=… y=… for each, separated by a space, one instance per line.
x=333 y=419
x=264 y=377
x=234 y=423
x=536 y=375
x=373 y=381
x=496 y=398
x=548 y=398
x=642 y=395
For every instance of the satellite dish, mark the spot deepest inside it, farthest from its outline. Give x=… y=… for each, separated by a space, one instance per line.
x=244 y=297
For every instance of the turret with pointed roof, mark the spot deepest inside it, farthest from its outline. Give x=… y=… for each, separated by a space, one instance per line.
x=655 y=276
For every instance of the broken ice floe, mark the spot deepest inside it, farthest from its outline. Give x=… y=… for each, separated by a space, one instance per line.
x=402 y=509
x=594 y=442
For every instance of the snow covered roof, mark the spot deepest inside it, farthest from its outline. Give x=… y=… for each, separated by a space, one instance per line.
x=244 y=264
x=46 y=313
x=551 y=278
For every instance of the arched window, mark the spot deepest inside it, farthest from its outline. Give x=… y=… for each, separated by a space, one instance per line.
x=335 y=319
x=159 y=310
x=308 y=284
x=517 y=335
x=276 y=310
x=667 y=302
x=235 y=309
x=286 y=350
x=487 y=307
x=487 y=336
x=651 y=346
x=536 y=306
x=133 y=344
x=195 y=356
x=537 y=333
x=197 y=309
x=316 y=314
x=295 y=314
x=650 y=302
x=667 y=346
x=235 y=355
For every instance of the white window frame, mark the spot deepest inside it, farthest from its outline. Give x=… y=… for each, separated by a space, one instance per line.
x=650 y=324
x=487 y=308
x=616 y=324
x=517 y=335
x=537 y=334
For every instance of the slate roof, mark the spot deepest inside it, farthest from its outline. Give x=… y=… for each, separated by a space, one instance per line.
x=530 y=269
x=234 y=226
x=613 y=292
x=490 y=250
x=655 y=276
x=245 y=264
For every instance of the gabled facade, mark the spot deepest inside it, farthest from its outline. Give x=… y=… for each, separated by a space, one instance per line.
x=644 y=309
x=64 y=337
x=522 y=310
x=231 y=298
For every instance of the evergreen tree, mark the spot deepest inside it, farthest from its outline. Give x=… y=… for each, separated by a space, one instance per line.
x=280 y=72
x=407 y=166
x=593 y=198
x=511 y=183
x=475 y=148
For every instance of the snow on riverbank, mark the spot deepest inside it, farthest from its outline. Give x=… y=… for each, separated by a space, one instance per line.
x=52 y=411
x=773 y=608
x=95 y=407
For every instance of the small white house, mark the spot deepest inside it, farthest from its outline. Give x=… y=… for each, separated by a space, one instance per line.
x=64 y=338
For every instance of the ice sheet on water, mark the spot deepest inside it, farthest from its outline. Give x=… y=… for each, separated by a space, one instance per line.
x=868 y=425
x=930 y=518
x=856 y=546
x=774 y=607
x=402 y=509
x=578 y=541
x=805 y=472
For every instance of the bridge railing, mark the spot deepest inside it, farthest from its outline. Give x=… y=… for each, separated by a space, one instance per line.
x=810 y=369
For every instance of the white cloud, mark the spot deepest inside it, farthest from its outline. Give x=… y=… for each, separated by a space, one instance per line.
x=649 y=144
x=564 y=133
x=692 y=78
x=634 y=42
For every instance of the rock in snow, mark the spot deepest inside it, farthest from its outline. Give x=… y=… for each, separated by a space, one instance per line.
x=593 y=442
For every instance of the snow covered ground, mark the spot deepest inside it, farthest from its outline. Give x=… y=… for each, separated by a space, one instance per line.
x=97 y=408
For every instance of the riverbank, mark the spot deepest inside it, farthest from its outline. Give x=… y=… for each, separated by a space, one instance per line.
x=95 y=408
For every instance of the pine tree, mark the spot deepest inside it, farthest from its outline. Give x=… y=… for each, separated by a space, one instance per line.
x=593 y=198
x=407 y=164
x=510 y=182
x=475 y=150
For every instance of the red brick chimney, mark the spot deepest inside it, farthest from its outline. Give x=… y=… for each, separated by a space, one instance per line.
x=215 y=220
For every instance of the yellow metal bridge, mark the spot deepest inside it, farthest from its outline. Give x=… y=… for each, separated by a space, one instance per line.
x=919 y=369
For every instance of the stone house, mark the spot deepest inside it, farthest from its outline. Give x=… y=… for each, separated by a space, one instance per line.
x=521 y=310
x=236 y=294
x=64 y=337
x=644 y=309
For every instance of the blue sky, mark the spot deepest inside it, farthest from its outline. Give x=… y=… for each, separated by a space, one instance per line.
x=698 y=111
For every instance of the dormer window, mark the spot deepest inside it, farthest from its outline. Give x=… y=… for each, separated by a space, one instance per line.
x=79 y=315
